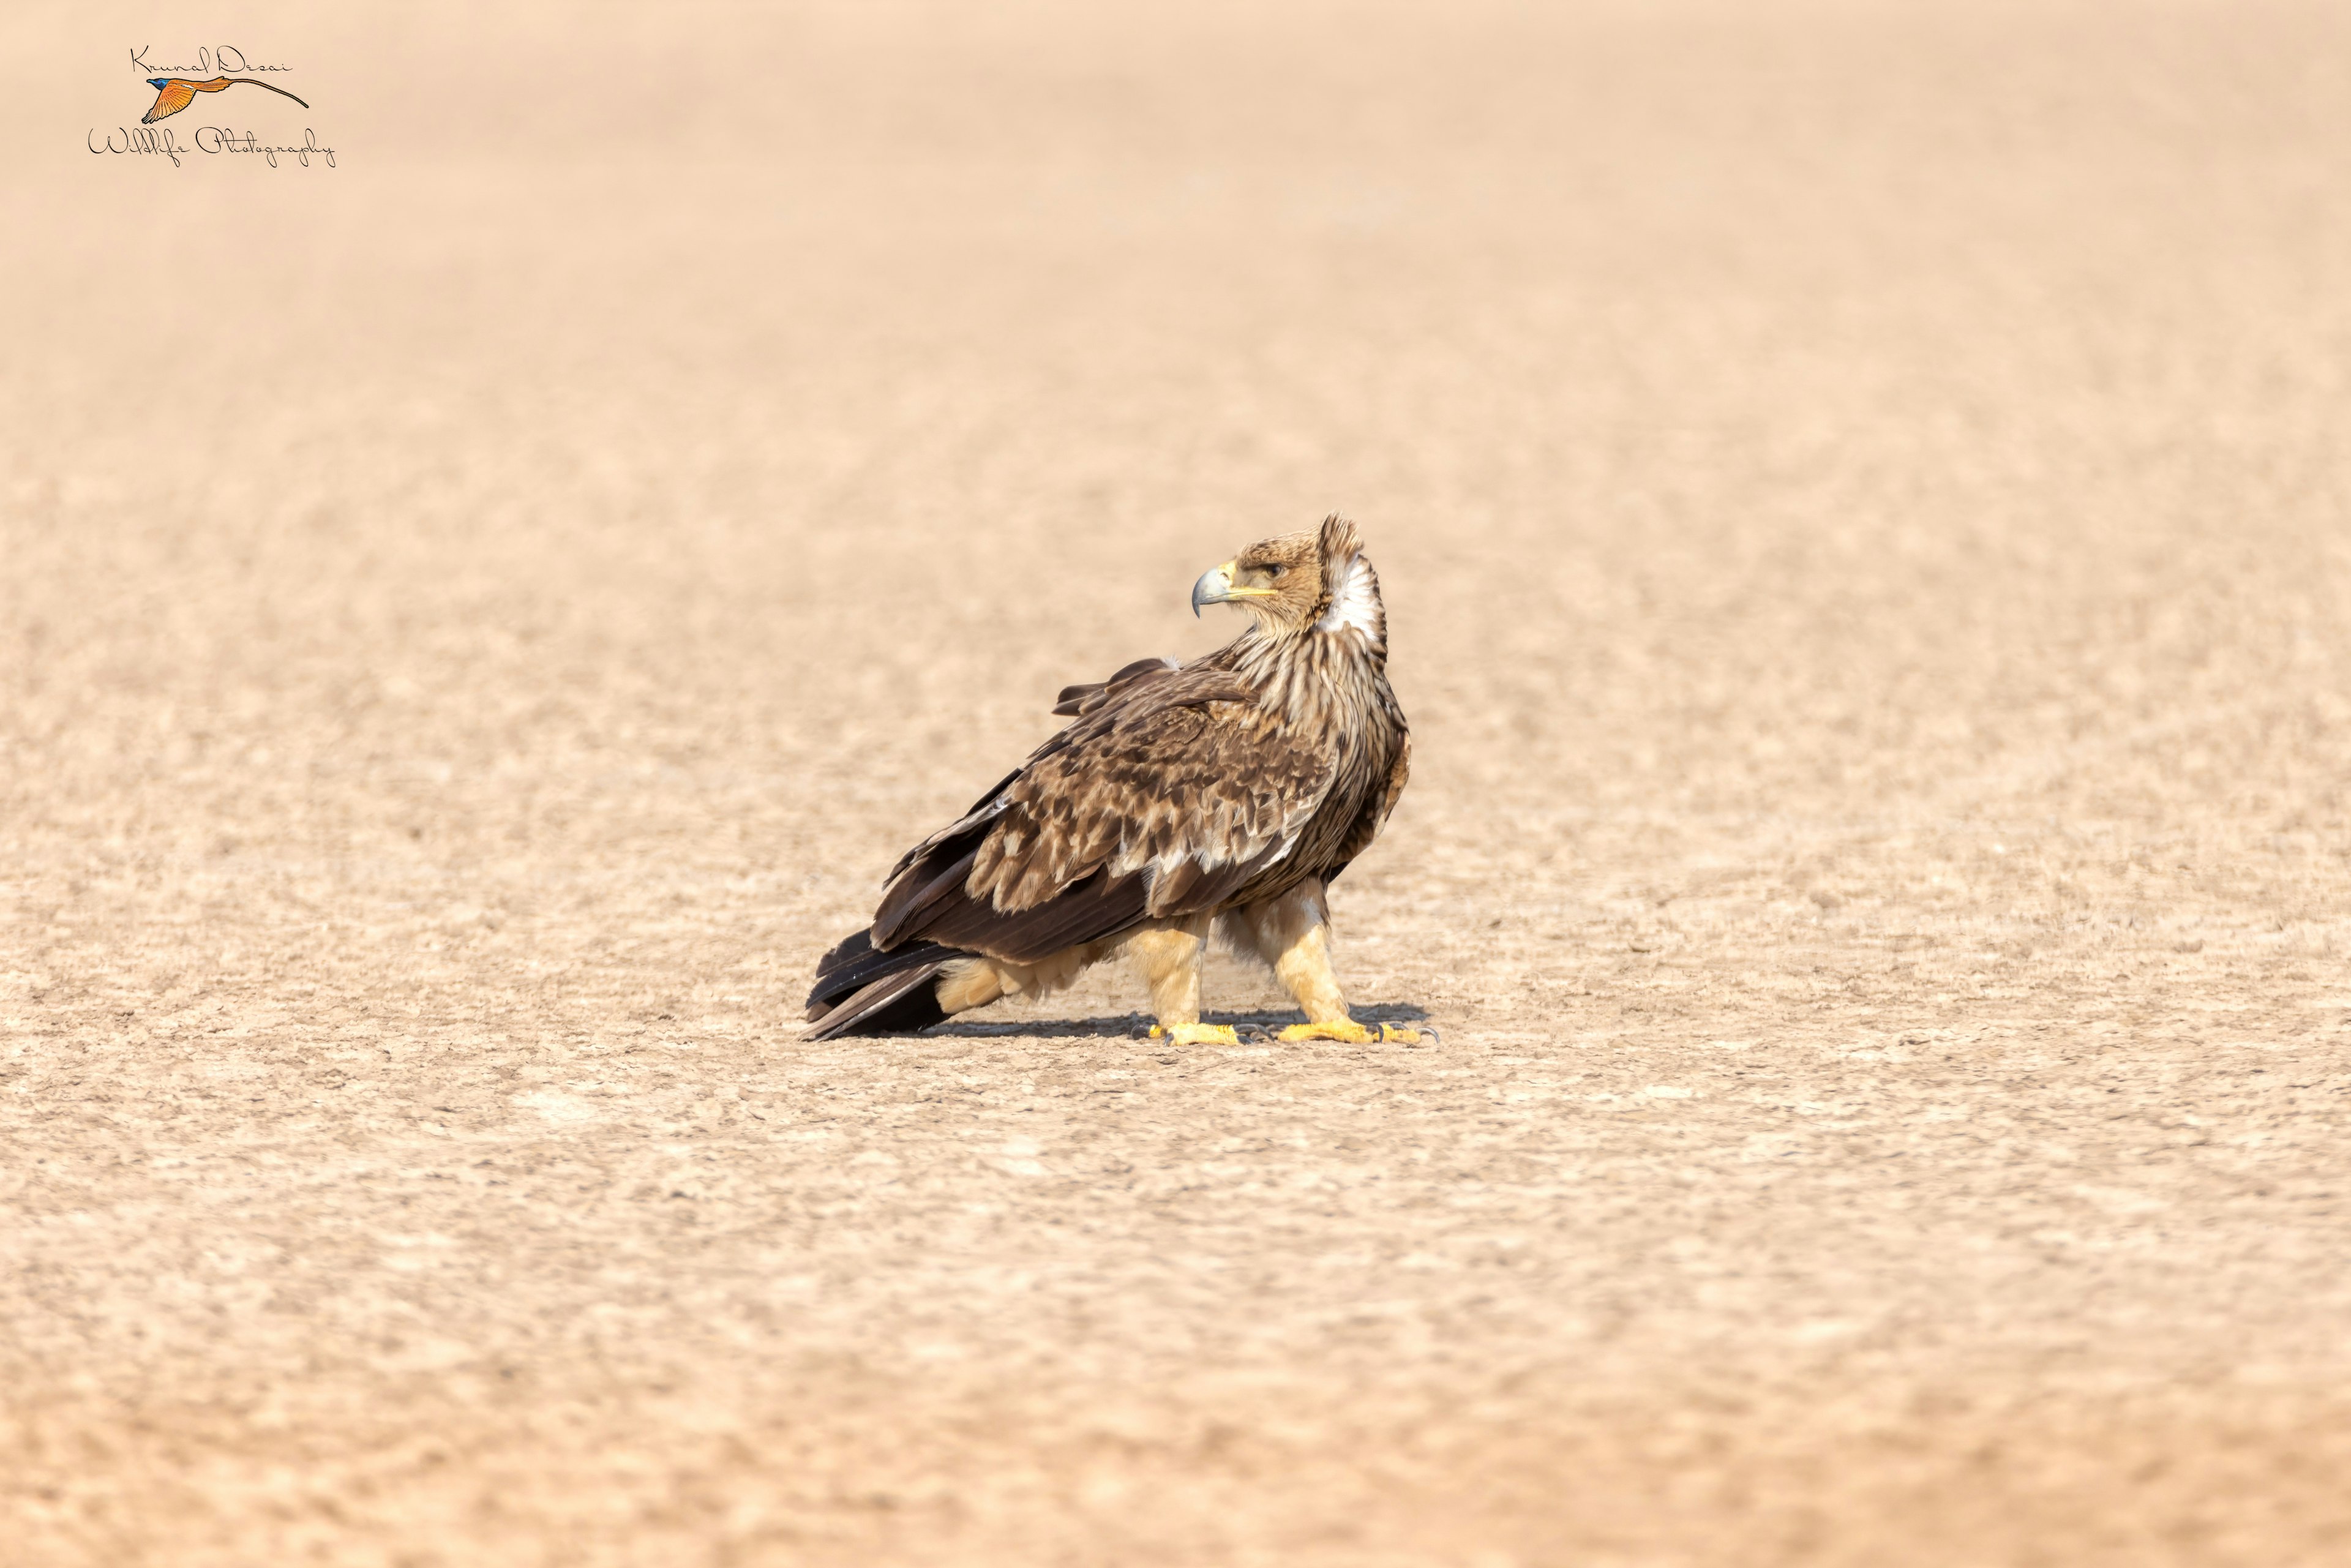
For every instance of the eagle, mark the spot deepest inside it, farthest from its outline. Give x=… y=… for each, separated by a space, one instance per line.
x=1218 y=797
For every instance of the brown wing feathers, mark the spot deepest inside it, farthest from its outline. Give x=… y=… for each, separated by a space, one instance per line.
x=1073 y=700
x=1131 y=812
x=1088 y=910
x=1141 y=808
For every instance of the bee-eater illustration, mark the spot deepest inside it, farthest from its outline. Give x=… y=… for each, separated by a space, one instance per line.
x=173 y=94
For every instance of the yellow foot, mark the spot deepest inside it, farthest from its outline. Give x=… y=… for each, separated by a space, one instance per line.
x=1354 y=1033
x=1195 y=1033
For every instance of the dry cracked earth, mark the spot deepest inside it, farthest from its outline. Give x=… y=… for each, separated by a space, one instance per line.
x=1862 y=495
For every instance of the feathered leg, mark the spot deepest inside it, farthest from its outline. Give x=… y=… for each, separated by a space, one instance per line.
x=969 y=983
x=1171 y=956
x=974 y=982
x=1293 y=933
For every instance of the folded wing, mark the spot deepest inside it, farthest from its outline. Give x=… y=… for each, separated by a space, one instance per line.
x=1168 y=792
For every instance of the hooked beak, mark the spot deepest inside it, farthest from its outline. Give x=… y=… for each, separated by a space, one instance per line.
x=1215 y=587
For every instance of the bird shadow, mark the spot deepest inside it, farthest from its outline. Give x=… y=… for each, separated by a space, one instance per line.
x=1130 y=1026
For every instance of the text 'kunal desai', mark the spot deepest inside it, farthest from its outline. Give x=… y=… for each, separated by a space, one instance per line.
x=225 y=57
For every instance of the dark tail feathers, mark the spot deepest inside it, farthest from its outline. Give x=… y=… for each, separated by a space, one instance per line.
x=861 y=991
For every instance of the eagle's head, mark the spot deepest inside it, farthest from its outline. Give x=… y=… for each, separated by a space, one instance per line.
x=1317 y=581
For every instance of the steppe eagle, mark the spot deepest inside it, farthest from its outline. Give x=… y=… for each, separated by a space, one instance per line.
x=1219 y=797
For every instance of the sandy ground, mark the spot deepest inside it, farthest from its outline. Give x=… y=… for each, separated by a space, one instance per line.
x=1863 y=500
